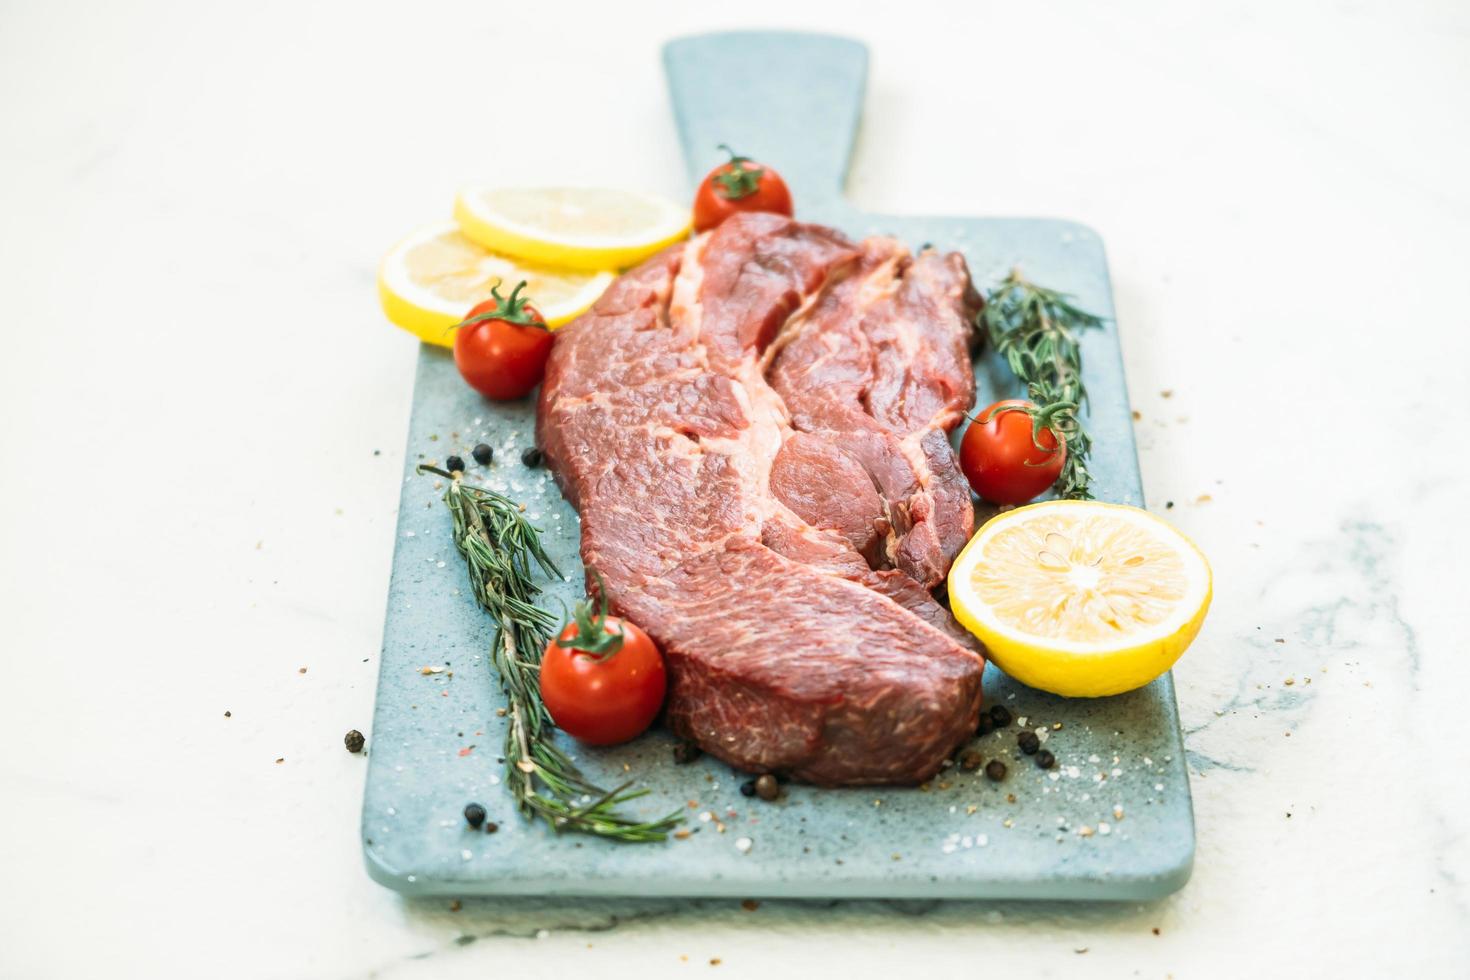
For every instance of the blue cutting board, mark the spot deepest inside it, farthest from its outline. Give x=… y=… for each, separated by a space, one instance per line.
x=1111 y=821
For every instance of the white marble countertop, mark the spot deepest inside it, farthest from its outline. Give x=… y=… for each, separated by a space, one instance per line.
x=203 y=415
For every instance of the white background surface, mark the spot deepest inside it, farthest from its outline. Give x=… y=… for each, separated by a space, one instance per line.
x=195 y=376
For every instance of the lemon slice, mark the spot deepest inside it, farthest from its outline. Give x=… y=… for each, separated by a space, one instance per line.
x=579 y=228
x=430 y=280
x=1081 y=598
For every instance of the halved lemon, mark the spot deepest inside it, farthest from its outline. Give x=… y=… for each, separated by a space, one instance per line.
x=1081 y=598
x=430 y=280
x=574 y=227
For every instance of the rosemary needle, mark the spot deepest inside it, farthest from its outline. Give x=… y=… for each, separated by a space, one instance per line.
x=1038 y=331
x=502 y=551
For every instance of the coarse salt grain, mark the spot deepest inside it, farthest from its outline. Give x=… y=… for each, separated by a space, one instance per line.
x=743 y=844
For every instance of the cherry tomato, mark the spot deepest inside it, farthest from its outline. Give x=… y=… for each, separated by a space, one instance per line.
x=739 y=185
x=1002 y=461
x=502 y=346
x=602 y=678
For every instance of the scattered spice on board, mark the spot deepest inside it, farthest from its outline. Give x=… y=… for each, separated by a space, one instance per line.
x=970 y=760
x=227 y=714
x=474 y=815
x=750 y=905
x=483 y=454
x=354 y=741
x=995 y=770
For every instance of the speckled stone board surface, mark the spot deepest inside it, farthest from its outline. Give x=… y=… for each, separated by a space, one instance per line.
x=1111 y=820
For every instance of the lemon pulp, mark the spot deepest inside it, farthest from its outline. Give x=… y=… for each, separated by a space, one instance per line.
x=432 y=279
x=1081 y=598
x=573 y=227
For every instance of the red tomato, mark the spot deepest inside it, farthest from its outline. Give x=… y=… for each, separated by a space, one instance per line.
x=602 y=679
x=740 y=185
x=1002 y=461
x=502 y=346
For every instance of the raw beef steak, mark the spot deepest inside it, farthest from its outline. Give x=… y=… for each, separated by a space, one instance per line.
x=752 y=426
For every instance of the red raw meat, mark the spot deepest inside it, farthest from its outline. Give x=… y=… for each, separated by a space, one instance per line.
x=752 y=426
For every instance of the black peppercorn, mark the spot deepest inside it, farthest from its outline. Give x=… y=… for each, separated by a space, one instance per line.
x=767 y=788
x=454 y=464
x=531 y=457
x=474 y=815
x=686 y=752
x=1045 y=759
x=483 y=454
x=1029 y=742
x=986 y=725
x=491 y=827
x=995 y=769
x=353 y=740
x=970 y=760
x=747 y=788
x=1000 y=716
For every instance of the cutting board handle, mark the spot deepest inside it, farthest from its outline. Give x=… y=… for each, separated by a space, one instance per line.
x=788 y=99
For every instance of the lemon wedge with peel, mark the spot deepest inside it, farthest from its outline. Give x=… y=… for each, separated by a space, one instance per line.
x=430 y=280
x=573 y=227
x=1081 y=598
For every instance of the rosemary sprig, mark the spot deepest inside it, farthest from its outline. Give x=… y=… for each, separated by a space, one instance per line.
x=502 y=550
x=1037 y=329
